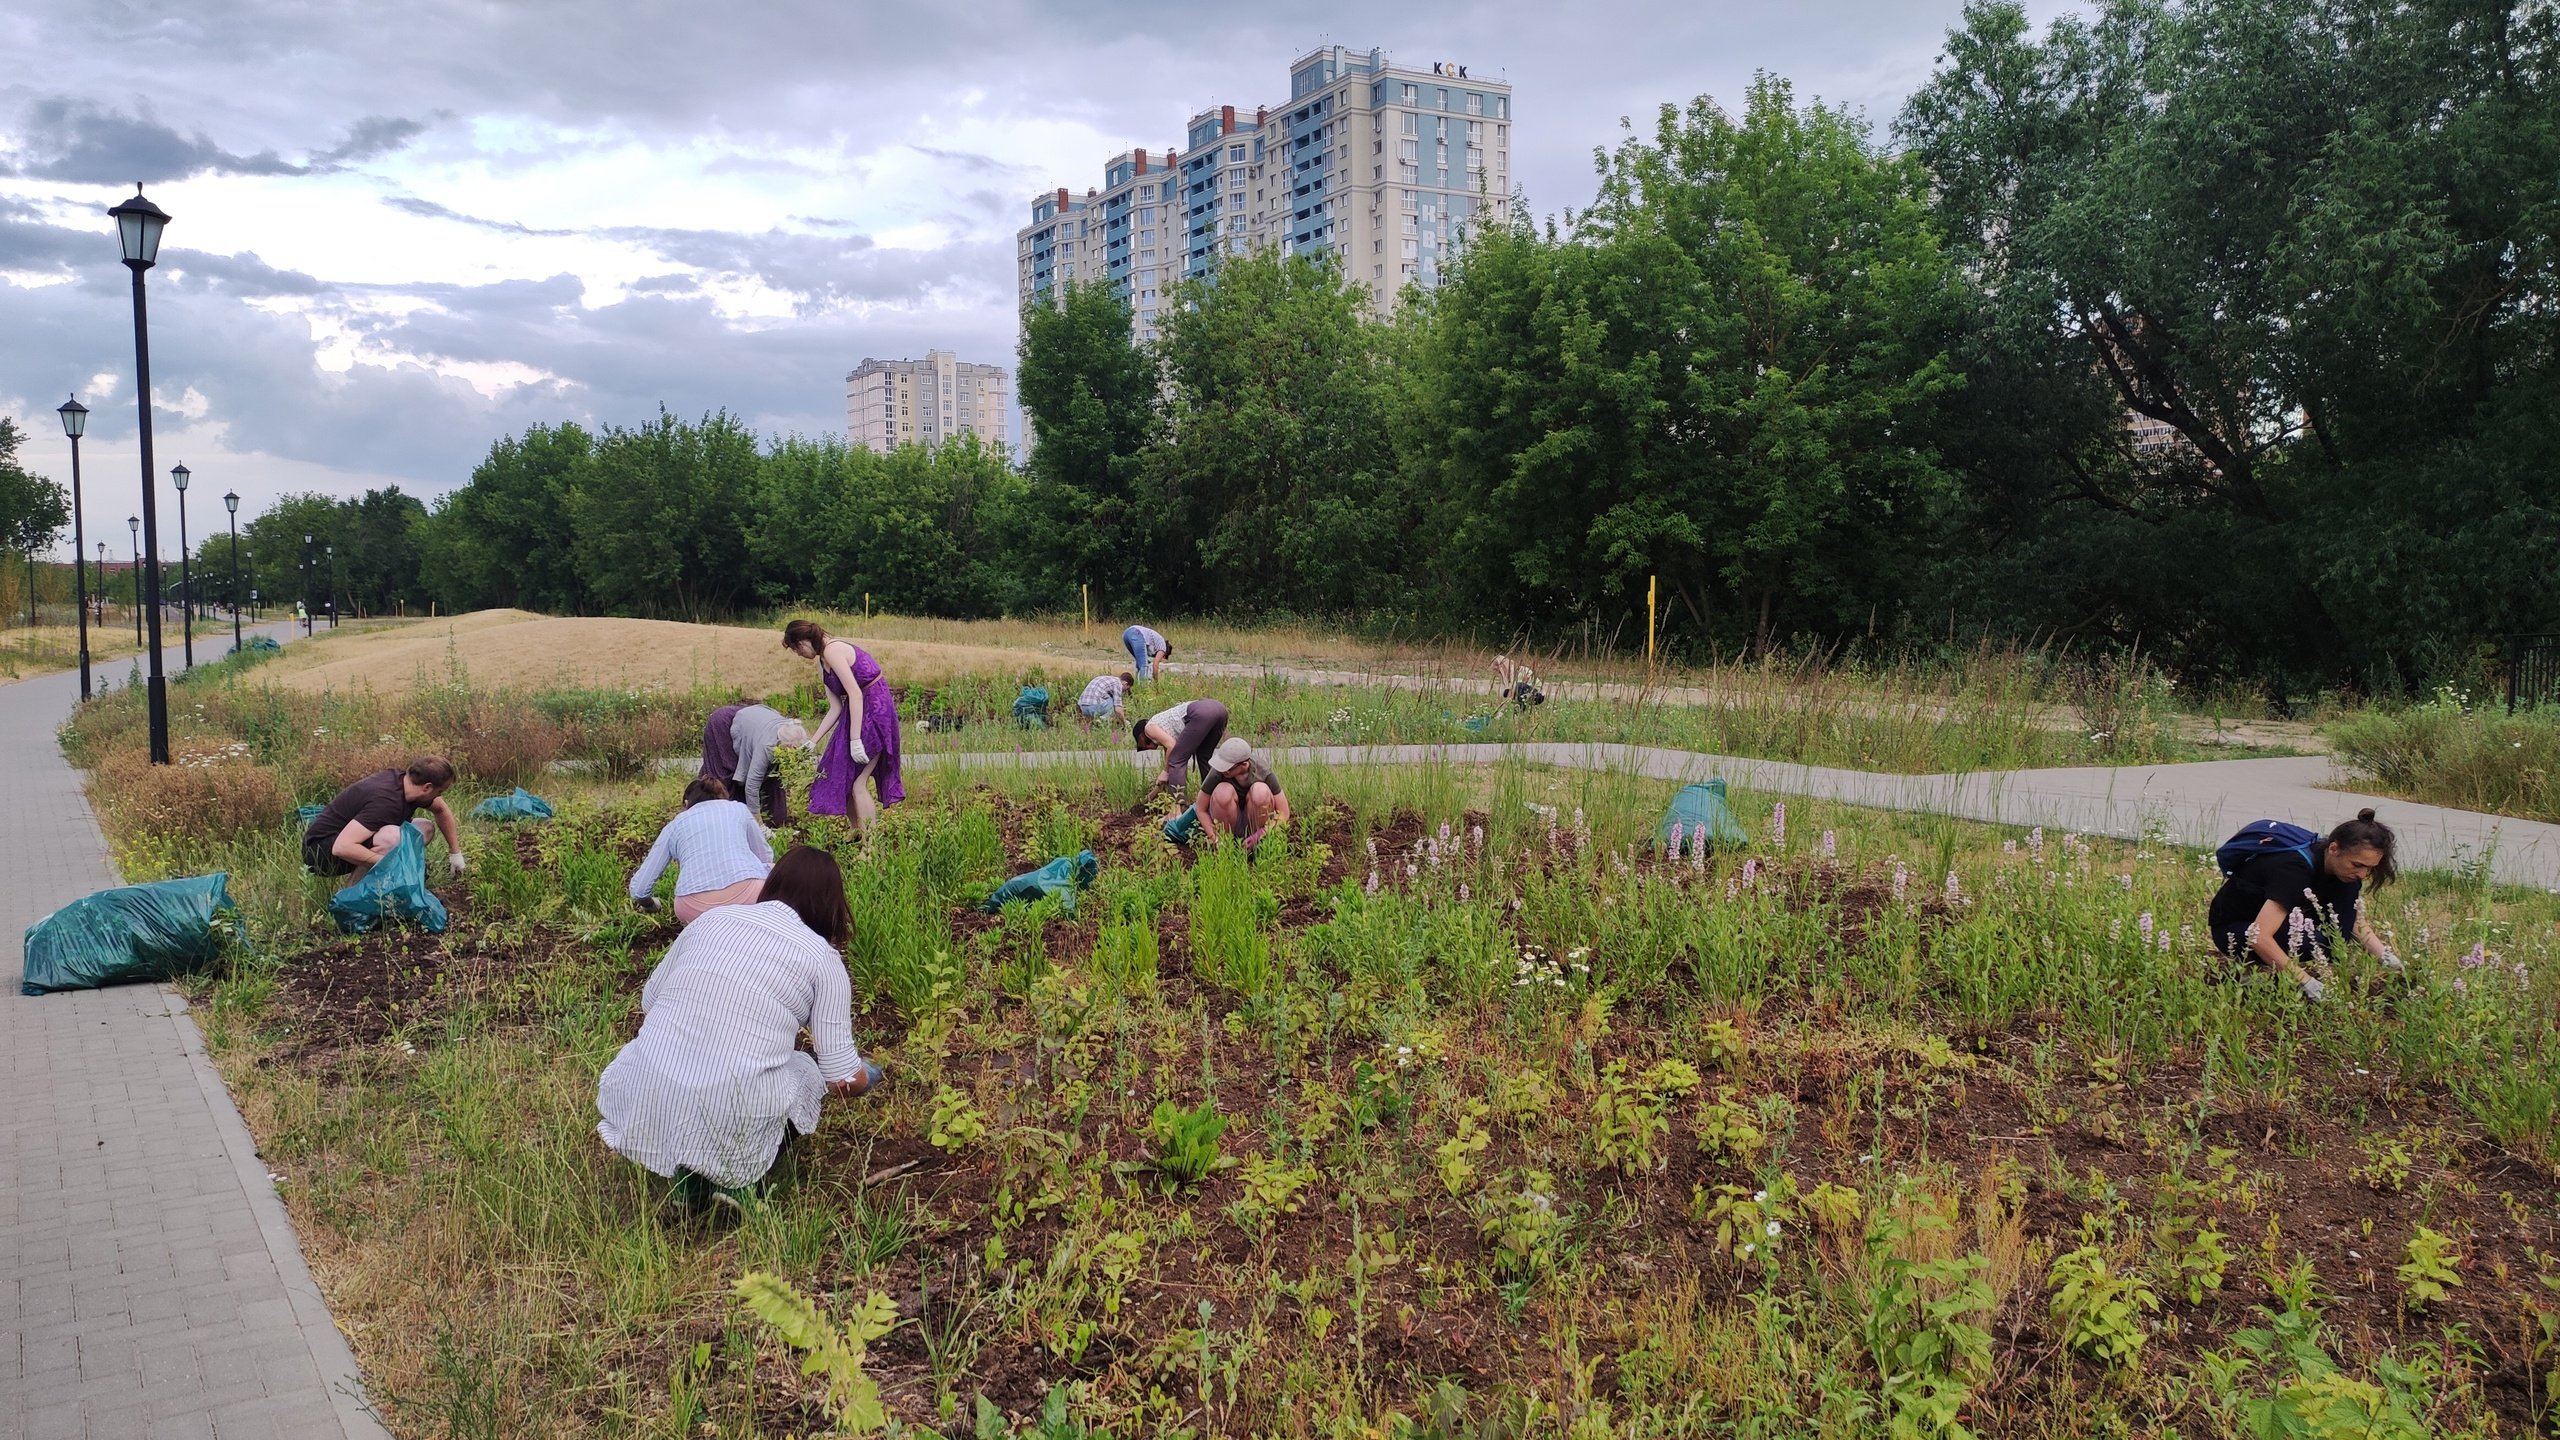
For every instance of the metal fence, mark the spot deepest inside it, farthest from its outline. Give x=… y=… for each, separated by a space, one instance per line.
x=2533 y=671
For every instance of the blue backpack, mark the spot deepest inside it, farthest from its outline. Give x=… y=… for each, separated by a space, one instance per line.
x=2261 y=838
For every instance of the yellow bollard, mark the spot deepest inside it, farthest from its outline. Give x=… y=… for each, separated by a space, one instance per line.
x=1088 y=608
x=866 y=604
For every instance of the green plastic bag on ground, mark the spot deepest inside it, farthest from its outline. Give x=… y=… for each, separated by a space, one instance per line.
x=134 y=933
x=1700 y=818
x=262 y=642
x=1061 y=877
x=393 y=892
x=1182 y=829
x=303 y=815
x=518 y=806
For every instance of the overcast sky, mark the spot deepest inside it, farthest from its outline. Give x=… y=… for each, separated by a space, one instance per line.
x=402 y=231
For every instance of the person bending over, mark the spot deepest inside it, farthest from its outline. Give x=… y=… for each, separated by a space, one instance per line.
x=2287 y=904
x=1145 y=647
x=712 y=1089
x=1188 y=733
x=1106 y=697
x=738 y=743
x=361 y=827
x=1243 y=796
x=720 y=853
x=858 y=739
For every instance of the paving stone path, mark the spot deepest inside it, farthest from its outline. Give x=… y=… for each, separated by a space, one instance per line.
x=150 y=1284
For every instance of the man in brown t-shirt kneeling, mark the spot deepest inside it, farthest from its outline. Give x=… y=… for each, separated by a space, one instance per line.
x=362 y=826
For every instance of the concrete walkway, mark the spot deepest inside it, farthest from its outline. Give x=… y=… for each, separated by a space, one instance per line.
x=150 y=1284
x=2196 y=805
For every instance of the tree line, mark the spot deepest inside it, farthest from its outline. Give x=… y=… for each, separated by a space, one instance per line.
x=2224 y=329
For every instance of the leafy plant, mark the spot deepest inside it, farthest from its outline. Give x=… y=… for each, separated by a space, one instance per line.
x=2189 y=1257
x=1185 y=1144
x=2313 y=1398
x=1230 y=945
x=1749 y=1224
x=1455 y=1158
x=1271 y=1190
x=956 y=1125
x=1523 y=1225
x=2387 y=1162
x=2429 y=1273
x=1922 y=1321
x=2100 y=1310
x=1833 y=1207
x=1631 y=1115
x=1728 y=1131
x=1722 y=1047
x=836 y=1352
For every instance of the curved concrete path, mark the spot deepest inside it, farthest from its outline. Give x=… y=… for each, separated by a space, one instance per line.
x=2196 y=805
x=150 y=1283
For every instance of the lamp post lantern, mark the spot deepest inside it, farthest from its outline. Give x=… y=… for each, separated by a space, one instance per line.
x=138 y=227
x=186 y=575
x=231 y=502
x=133 y=591
x=75 y=423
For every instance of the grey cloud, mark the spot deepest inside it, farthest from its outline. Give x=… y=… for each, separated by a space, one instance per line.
x=972 y=162
x=81 y=140
x=433 y=211
x=372 y=136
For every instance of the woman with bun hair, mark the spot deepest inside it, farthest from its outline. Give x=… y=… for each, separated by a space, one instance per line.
x=859 y=736
x=2288 y=893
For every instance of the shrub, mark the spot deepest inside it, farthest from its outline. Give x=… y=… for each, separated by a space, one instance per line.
x=2446 y=754
x=500 y=741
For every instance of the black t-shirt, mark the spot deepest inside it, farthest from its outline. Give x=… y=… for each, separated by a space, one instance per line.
x=2283 y=879
x=373 y=802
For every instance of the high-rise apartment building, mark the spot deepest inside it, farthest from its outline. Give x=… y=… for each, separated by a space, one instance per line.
x=1379 y=163
x=889 y=403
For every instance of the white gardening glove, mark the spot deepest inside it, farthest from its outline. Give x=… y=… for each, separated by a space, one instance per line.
x=2313 y=989
x=861 y=757
x=455 y=863
x=2391 y=960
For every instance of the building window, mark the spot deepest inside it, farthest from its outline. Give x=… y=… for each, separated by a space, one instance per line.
x=1475 y=103
x=1444 y=97
x=1235 y=153
x=1411 y=95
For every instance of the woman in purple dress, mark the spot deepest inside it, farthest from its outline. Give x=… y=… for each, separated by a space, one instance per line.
x=849 y=750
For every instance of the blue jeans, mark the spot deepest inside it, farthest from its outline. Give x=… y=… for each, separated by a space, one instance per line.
x=1141 y=659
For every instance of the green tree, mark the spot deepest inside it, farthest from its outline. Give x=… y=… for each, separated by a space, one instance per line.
x=2311 y=244
x=1724 y=377
x=276 y=551
x=33 y=510
x=914 y=529
x=504 y=538
x=1275 y=479
x=658 y=518
x=1090 y=393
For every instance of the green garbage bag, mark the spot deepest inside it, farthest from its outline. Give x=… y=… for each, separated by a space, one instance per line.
x=136 y=932
x=1699 y=818
x=303 y=815
x=393 y=892
x=262 y=642
x=1184 y=828
x=1061 y=877
x=1031 y=707
x=518 y=806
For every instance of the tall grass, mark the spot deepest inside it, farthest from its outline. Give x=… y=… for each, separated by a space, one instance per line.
x=2447 y=753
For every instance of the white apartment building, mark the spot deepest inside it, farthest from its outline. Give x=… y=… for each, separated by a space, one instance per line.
x=889 y=403
x=1379 y=163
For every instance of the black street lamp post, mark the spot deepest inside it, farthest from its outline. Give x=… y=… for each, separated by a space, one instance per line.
x=231 y=502
x=337 y=582
x=133 y=590
x=99 y=592
x=75 y=423
x=186 y=575
x=138 y=227
x=307 y=604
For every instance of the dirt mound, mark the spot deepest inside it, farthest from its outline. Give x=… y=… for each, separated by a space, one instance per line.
x=520 y=650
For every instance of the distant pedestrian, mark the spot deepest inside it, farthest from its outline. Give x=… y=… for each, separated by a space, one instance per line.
x=738 y=745
x=714 y=1086
x=1243 y=796
x=1187 y=733
x=858 y=739
x=1106 y=697
x=1146 y=647
x=720 y=853
x=361 y=826
x=2288 y=893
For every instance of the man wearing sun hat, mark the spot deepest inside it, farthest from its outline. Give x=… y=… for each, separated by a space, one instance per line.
x=1243 y=796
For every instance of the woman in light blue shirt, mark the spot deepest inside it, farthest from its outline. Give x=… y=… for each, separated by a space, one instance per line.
x=720 y=853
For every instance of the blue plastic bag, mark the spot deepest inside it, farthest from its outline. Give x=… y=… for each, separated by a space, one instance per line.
x=1061 y=877
x=1184 y=828
x=518 y=806
x=137 y=932
x=262 y=642
x=394 y=891
x=1703 y=819
x=303 y=815
x=1031 y=707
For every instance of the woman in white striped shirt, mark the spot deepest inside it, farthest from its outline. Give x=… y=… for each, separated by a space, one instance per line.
x=712 y=1089
x=719 y=851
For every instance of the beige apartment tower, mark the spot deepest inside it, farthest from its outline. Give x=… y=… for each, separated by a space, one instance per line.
x=889 y=403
